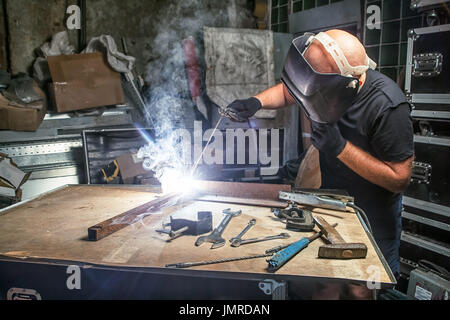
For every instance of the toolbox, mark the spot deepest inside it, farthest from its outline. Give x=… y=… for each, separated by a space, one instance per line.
x=431 y=172
x=426 y=226
x=428 y=71
x=428 y=285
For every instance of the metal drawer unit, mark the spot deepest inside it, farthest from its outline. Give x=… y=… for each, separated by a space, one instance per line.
x=54 y=153
x=426 y=229
x=426 y=212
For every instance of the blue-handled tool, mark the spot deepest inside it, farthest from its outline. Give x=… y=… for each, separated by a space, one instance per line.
x=283 y=256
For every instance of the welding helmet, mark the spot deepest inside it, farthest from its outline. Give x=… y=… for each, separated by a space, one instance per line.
x=325 y=97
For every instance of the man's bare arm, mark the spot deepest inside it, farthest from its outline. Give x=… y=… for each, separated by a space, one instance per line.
x=393 y=176
x=275 y=97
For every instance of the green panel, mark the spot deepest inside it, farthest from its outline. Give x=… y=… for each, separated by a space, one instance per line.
x=389 y=55
x=406 y=9
x=283 y=2
x=297 y=6
x=274 y=15
x=390 y=72
x=322 y=2
x=391 y=9
x=309 y=4
x=373 y=36
x=274 y=28
x=274 y=3
x=391 y=31
x=333 y=1
x=283 y=28
x=373 y=53
x=283 y=13
x=408 y=24
x=403 y=52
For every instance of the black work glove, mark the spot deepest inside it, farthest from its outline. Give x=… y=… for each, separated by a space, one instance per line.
x=241 y=110
x=327 y=138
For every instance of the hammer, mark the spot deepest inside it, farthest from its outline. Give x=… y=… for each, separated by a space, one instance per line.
x=338 y=249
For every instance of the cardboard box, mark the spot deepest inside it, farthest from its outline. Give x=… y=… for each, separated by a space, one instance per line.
x=18 y=117
x=130 y=167
x=83 y=81
x=11 y=178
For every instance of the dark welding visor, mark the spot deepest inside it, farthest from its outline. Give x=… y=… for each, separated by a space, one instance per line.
x=325 y=97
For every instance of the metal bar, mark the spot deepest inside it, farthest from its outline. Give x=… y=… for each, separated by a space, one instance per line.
x=425 y=244
x=107 y=227
x=436 y=98
x=433 y=29
x=432 y=140
x=430 y=222
x=380 y=255
x=244 y=201
x=203 y=263
x=431 y=114
x=428 y=206
x=264 y=191
x=409 y=63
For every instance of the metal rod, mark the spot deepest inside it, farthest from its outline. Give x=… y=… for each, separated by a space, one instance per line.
x=207 y=144
x=202 y=263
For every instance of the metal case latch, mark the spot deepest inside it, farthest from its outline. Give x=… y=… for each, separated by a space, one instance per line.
x=421 y=172
x=427 y=64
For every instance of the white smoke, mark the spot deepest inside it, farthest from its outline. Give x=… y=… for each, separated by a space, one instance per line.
x=169 y=102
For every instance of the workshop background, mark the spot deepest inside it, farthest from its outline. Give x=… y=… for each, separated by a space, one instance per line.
x=54 y=143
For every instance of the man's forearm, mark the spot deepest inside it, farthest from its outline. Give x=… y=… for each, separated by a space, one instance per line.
x=275 y=97
x=374 y=170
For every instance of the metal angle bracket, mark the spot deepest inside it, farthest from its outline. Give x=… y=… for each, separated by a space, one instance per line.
x=276 y=289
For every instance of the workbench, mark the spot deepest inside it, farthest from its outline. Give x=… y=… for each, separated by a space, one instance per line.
x=42 y=237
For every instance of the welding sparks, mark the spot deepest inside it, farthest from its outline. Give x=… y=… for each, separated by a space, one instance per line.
x=164 y=157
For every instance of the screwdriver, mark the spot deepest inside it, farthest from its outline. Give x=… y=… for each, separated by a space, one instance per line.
x=289 y=251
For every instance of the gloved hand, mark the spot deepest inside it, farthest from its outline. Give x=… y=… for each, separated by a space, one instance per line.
x=241 y=110
x=327 y=138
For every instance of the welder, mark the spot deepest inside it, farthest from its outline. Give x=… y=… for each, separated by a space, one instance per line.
x=360 y=123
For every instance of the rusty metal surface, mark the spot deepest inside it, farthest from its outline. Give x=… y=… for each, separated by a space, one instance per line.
x=245 y=201
x=242 y=189
x=230 y=192
x=107 y=227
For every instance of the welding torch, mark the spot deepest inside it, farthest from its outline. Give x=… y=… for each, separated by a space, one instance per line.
x=224 y=113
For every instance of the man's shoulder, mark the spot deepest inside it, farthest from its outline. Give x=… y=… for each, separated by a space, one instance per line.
x=387 y=92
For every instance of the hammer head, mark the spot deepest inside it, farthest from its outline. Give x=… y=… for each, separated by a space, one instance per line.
x=343 y=251
x=338 y=249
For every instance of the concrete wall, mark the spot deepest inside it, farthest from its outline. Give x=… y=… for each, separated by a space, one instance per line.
x=3 y=39
x=144 y=24
x=30 y=24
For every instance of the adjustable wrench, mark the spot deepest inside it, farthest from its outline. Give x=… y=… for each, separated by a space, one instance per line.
x=215 y=237
x=251 y=223
x=254 y=240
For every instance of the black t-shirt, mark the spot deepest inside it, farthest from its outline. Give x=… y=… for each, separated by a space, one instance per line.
x=378 y=122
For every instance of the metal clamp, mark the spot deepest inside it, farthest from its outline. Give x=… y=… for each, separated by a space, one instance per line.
x=276 y=289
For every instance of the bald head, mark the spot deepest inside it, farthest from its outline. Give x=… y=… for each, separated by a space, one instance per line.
x=323 y=62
